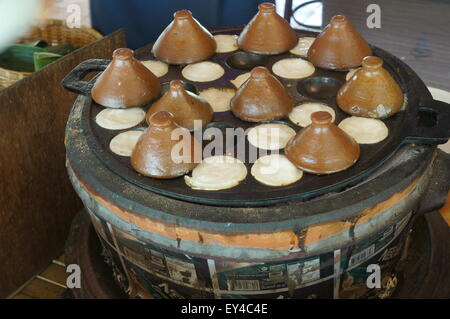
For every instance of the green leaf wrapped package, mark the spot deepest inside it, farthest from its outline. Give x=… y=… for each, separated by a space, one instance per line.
x=41 y=59
x=32 y=56
x=19 y=57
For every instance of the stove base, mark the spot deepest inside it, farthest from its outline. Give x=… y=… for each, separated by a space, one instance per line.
x=422 y=273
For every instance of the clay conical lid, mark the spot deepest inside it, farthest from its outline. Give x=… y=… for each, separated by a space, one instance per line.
x=156 y=153
x=262 y=98
x=126 y=82
x=184 y=41
x=371 y=92
x=339 y=46
x=186 y=107
x=267 y=33
x=322 y=148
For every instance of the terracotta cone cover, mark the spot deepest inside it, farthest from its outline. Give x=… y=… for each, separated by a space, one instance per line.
x=267 y=33
x=126 y=82
x=339 y=46
x=262 y=98
x=372 y=92
x=186 y=107
x=184 y=41
x=322 y=148
x=154 y=156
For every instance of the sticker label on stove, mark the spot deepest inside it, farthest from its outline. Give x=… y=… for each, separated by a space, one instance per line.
x=302 y=273
x=182 y=271
x=362 y=256
x=268 y=277
x=177 y=267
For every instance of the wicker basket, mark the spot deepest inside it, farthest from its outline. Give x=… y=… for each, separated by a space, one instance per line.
x=54 y=32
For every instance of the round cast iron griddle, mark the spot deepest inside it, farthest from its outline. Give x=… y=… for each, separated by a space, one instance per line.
x=423 y=121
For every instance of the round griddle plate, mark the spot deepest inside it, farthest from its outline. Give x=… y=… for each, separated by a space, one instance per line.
x=417 y=124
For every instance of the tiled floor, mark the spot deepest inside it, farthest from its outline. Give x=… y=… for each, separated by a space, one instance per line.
x=50 y=284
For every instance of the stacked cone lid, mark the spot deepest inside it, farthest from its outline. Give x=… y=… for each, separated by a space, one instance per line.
x=184 y=41
x=322 y=148
x=186 y=107
x=126 y=82
x=371 y=92
x=267 y=33
x=165 y=150
x=262 y=98
x=339 y=46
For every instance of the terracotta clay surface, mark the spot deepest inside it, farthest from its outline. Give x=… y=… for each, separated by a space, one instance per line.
x=262 y=98
x=267 y=33
x=184 y=41
x=126 y=82
x=339 y=46
x=186 y=107
x=163 y=153
x=371 y=92
x=322 y=148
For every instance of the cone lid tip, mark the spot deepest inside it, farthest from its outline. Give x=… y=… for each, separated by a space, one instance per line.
x=176 y=85
x=182 y=14
x=372 y=62
x=338 y=20
x=321 y=118
x=161 y=118
x=259 y=72
x=266 y=7
x=123 y=54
